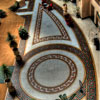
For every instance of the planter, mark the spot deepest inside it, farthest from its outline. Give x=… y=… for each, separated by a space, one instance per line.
x=23 y=33
x=24 y=36
x=13 y=44
x=0 y=21
x=11 y=88
x=16 y=52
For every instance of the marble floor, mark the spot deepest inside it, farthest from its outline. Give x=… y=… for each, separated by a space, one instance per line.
x=89 y=30
x=56 y=57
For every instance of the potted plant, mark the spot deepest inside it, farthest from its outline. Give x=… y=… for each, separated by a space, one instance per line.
x=15 y=6
x=5 y=77
x=64 y=97
x=6 y=72
x=2 y=14
x=23 y=33
x=12 y=41
x=11 y=88
x=13 y=45
x=19 y=60
x=16 y=52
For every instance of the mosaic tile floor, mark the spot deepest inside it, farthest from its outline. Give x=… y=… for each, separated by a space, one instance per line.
x=56 y=57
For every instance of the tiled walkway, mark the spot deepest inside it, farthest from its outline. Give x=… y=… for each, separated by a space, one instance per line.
x=56 y=57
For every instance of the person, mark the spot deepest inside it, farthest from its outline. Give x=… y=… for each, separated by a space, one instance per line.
x=68 y=20
x=50 y=7
x=97 y=42
x=44 y=3
x=64 y=10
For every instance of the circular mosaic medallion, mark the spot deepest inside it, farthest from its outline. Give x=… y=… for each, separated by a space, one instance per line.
x=52 y=73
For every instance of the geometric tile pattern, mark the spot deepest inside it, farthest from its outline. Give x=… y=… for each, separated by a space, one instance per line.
x=36 y=39
x=55 y=89
x=89 y=84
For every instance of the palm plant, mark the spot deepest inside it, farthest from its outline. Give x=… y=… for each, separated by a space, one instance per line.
x=23 y=33
x=5 y=73
x=64 y=97
x=12 y=41
x=81 y=87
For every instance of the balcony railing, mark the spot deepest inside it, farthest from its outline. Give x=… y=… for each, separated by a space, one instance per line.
x=98 y=1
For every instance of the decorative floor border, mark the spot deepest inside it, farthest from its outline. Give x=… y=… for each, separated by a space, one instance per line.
x=22 y=44
x=85 y=48
x=67 y=83
x=36 y=39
